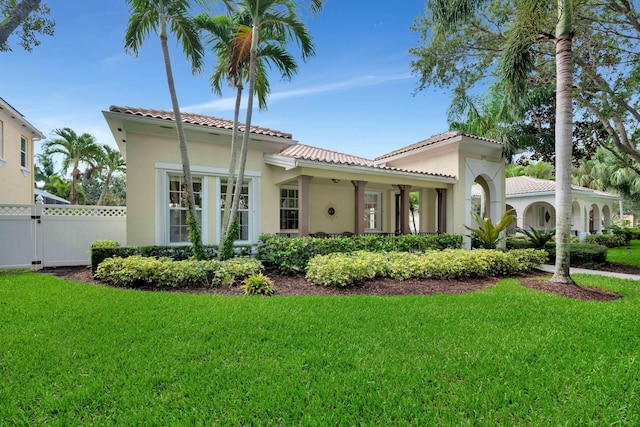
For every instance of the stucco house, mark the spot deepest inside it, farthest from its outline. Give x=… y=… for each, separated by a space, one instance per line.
x=293 y=188
x=533 y=201
x=17 y=138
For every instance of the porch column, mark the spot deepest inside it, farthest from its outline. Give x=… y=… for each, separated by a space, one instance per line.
x=442 y=210
x=359 y=187
x=404 y=208
x=303 y=205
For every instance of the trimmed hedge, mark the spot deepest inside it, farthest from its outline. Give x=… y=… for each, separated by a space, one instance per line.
x=346 y=269
x=291 y=255
x=580 y=254
x=103 y=249
x=136 y=270
x=608 y=240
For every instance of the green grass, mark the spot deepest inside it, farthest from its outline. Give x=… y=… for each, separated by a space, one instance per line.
x=625 y=254
x=78 y=354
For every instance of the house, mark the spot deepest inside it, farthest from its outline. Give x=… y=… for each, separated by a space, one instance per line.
x=17 y=136
x=293 y=188
x=533 y=203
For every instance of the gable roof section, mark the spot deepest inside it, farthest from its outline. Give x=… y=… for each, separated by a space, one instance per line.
x=320 y=155
x=196 y=119
x=431 y=141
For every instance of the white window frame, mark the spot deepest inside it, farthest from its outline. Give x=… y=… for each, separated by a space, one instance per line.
x=172 y=177
x=288 y=208
x=253 y=194
x=377 y=211
x=24 y=159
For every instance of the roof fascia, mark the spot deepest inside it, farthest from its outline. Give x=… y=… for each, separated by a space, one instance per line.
x=17 y=116
x=412 y=152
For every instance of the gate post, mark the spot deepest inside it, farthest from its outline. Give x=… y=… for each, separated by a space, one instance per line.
x=38 y=234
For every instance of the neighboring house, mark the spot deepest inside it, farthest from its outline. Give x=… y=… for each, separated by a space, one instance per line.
x=16 y=155
x=48 y=198
x=296 y=189
x=533 y=203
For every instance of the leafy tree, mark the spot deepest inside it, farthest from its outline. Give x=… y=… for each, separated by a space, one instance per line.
x=76 y=150
x=31 y=16
x=272 y=17
x=230 y=37
x=162 y=17
x=111 y=162
x=508 y=46
x=45 y=167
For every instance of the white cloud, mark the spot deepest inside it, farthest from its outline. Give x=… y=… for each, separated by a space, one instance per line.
x=341 y=86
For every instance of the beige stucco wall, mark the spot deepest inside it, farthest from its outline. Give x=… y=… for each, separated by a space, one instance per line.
x=16 y=183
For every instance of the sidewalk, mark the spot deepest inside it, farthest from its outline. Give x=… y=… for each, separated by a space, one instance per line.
x=551 y=268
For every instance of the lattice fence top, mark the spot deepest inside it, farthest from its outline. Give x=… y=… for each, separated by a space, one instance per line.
x=94 y=211
x=15 y=210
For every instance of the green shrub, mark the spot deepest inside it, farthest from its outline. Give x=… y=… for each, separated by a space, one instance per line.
x=487 y=235
x=138 y=270
x=518 y=242
x=538 y=238
x=292 y=255
x=258 y=284
x=103 y=251
x=608 y=240
x=626 y=233
x=345 y=269
x=580 y=254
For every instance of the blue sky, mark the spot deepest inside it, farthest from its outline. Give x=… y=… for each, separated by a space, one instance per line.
x=357 y=95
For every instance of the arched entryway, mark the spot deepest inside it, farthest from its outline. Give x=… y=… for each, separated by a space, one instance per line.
x=540 y=216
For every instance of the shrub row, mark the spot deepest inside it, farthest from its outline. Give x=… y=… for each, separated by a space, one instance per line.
x=580 y=254
x=137 y=270
x=345 y=269
x=608 y=240
x=291 y=255
x=103 y=249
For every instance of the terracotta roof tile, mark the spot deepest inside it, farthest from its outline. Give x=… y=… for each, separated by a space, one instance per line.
x=196 y=119
x=528 y=184
x=307 y=152
x=430 y=141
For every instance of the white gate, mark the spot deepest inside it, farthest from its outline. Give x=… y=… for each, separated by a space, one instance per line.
x=37 y=236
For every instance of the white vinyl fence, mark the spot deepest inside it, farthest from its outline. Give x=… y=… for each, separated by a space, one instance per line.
x=38 y=236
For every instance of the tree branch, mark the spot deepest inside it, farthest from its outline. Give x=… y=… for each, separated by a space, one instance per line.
x=17 y=15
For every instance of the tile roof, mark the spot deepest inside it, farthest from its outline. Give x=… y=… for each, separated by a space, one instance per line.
x=196 y=119
x=307 y=152
x=433 y=140
x=527 y=185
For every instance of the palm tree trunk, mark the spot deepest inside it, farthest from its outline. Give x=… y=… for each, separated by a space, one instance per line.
x=247 y=129
x=105 y=187
x=182 y=140
x=564 y=128
x=233 y=163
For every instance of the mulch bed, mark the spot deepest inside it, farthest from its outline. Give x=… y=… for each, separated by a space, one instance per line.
x=297 y=285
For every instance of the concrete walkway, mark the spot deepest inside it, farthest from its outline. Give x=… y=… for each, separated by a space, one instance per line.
x=551 y=268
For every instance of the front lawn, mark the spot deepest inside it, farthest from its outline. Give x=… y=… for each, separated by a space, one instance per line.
x=79 y=354
x=629 y=254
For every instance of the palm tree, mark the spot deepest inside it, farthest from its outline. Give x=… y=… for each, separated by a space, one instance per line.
x=516 y=65
x=229 y=37
x=76 y=150
x=154 y=16
x=273 y=17
x=111 y=161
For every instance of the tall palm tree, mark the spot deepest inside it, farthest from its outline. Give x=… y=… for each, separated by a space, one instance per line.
x=272 y=17
x=76 y=150
x=155 y=16
x=111 y=161
x=230 y=37
x=516 y=65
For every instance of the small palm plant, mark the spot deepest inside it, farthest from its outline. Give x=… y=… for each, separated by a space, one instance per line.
x=538 y=238
x=487 y=234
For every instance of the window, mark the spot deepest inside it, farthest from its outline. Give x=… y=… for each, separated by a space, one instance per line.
x=23 y=152
x=178 y=227
x=373 y=211
x=243 y=208
x=288 y=208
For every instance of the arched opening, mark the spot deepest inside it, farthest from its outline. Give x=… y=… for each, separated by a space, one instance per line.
x=594 y=219
x=606 y=216
x=512 y=228
x=540 y=216
x=480 y=197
